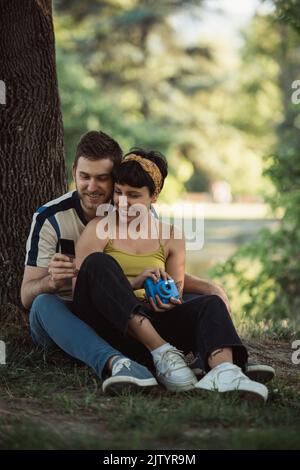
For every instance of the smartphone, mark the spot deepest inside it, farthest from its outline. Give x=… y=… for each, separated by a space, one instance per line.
x=67 y=247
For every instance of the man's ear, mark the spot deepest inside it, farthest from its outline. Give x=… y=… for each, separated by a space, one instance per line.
x=73 y=171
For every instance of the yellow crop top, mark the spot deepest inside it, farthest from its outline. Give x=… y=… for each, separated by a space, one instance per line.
x=133 y=264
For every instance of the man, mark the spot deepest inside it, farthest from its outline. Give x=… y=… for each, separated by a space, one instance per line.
x=46 y=287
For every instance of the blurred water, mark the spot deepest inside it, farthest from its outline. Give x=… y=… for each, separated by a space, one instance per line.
x=221 y=238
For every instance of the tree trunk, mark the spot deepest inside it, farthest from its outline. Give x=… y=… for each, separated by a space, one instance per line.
x=32 y=167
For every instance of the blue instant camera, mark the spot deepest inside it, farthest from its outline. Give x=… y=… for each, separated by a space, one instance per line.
x=164 y=289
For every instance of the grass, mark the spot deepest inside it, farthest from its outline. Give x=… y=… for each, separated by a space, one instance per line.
x=50 y=402
x=85 y=420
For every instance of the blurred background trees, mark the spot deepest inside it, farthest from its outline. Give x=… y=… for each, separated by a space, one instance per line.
x=126 y=67
x=265 y=274
x=219 y=111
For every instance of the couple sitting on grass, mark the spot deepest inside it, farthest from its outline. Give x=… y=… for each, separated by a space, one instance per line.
x=108 y=325
x=108 y=293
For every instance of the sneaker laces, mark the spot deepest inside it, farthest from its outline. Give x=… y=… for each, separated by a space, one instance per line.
x=238 y=374
x=172 y=357
x=119 y=364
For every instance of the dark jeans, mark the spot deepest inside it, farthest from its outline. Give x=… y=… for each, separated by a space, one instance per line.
x=104 y=299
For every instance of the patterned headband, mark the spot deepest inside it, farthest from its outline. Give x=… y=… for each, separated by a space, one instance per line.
x=150 y=167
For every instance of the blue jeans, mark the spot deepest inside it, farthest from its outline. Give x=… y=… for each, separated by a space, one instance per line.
x=53 y=324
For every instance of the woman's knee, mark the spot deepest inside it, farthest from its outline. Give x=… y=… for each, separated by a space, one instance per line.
x=215 y=307
x=208 y=301
x=97 y=260
x=216 y=300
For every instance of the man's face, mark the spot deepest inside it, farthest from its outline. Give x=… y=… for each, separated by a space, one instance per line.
x=93 y=182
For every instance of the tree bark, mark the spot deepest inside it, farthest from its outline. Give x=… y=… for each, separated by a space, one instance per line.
x=32 y=166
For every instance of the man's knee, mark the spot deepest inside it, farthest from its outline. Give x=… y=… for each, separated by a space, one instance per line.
x=40 y=302
x=42 y=305
x=38 y=307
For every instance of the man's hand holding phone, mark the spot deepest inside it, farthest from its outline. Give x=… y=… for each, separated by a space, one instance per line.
x=62 y=265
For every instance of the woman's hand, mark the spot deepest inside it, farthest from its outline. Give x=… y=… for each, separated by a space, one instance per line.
x=161 y=307
x=154 y=273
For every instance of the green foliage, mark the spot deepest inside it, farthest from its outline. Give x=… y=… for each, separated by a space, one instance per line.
x=265 y=275
x=125 y=68
x=288 y=11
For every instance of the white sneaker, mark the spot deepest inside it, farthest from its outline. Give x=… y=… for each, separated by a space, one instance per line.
x=173 y=372
x=228 y=377
x=261 y=373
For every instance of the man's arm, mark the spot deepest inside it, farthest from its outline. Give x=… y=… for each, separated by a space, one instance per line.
x=193 y=284
x=45 y=270
x=35 y=281
x=49 y=280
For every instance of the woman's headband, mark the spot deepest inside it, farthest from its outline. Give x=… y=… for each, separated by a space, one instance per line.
x=150 y=167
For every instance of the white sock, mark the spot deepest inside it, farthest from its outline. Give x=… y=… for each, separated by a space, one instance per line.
x=224 y=365
x=116 y=359
x=156 y=353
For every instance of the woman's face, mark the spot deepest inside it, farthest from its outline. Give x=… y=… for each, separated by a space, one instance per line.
x=126 y=196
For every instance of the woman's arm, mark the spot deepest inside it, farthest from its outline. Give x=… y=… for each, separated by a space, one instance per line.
x=88 y=243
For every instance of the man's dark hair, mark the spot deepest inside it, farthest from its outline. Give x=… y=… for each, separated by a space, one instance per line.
x=133 y=174
x=96 y=145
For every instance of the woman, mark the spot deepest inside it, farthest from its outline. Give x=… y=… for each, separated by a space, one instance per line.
x=113 y=266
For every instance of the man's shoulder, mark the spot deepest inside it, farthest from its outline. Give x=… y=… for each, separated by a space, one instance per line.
x=65 y=202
